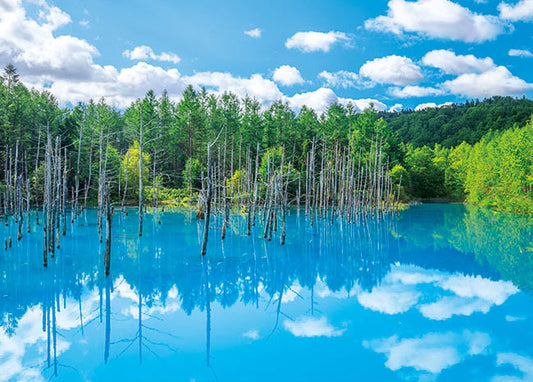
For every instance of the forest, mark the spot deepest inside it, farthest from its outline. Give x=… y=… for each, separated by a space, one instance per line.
x=452 y=124
x=480 y=152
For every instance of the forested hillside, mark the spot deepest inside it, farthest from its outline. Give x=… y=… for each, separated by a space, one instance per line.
x=495 y=172
x=452 y=124
x=424 y=149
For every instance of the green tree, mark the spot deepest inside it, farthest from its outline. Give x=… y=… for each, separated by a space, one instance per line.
x=369 y=128
x=130 y=169
x=427 y=179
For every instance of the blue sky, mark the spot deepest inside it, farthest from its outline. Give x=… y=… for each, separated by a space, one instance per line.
x=391 y=53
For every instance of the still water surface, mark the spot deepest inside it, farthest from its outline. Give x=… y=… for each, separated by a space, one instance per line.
x=440 y=293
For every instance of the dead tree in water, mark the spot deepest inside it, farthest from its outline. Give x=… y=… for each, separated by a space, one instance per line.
x=28 y=201
x=256 y=184
x=47 y=198
x=340 y=185
x=101 y=182
x=141 y=175
x=18 y=188
x=64 y=196
x=226 y=209
x=77 y=179
x=36 y=170
x=284 y=197
x=109 y=218
x=154 y=203
x=126 y=179
x=57 y=197
x=208 y=195
x=88 y=183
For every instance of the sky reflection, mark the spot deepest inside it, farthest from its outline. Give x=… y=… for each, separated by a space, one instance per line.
x=402 y=308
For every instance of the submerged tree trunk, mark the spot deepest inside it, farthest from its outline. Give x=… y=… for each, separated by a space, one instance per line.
x=109 y=219
x=141 y=176
x=88 y=184
x=36 y=170
x=207 y=200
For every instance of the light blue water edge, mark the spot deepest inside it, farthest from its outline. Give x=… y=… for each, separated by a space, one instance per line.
x=441 y=292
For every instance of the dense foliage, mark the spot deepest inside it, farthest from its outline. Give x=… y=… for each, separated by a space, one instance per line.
x=450 y=125
x=429 y=151
x=495 y=172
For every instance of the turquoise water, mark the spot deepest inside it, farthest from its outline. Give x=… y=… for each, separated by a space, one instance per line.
x=442 y=292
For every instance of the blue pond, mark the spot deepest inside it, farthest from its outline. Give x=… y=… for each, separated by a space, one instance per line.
x=440 y=293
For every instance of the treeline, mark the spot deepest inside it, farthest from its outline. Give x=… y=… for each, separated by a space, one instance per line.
x=495 y=172
x=450 y=125
x=175 y=135
x=101 y=141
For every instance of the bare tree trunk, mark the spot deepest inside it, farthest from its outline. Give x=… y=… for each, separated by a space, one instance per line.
x=64 y=199
x=46 y=199
x=256 y=184
x=88 y=184
x=101 y=182
x=226 y=209
x=19 y=208
x=36 y=170
x=109 y=220
x=75 y=213
x=28 y=200
x=126 y=178
x=207 y=201
x=57 y=199
x=153 y=181
x=141 y=176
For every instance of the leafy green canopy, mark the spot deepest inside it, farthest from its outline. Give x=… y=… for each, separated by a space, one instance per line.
x=451 y=125
x=430 y=150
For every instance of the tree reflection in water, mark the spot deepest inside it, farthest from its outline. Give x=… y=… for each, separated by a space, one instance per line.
x=249 y=270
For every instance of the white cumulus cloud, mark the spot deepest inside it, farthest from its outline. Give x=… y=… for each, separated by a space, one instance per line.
x=144 y=52
x=342 y=78
x=256 y=86
x=319 y=100
x=322 y=98
x=426 y=105
x=32 y=46
x=316 y=41
x=415 y=91
x=519 y=362
x=65 y=64
x=364 y=103
x=396 y=70
x=120 y=88
x=396 y=108
x=287 y=75
x=451 y=63
x=254 y=33
x=497 y=81
x=442 y=19
x=520 y=53
x=521 y=11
